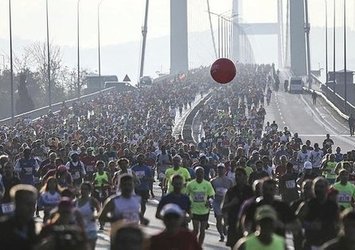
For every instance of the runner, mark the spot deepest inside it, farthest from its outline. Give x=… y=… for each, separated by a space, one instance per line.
x=126 y=206
x=221 y=184
x=89 y=207
x=144 y=176
x=176 y=169
x=200 y=191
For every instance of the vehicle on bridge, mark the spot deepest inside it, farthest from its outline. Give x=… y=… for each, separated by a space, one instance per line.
x=145 y=81
x=95 y=83
x=295 y=84
x=121 y=86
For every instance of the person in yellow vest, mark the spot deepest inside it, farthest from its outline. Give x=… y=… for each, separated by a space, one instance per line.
x=264 y=237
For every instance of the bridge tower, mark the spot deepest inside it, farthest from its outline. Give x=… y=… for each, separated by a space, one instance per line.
x=297 y=38
x=178 y=37
x=296 y=22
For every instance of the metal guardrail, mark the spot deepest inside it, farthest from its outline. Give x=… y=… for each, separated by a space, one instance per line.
x=336 y=101
x=36 y=113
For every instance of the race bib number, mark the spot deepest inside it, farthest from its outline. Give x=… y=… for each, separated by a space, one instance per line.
x=28 y=171
x=290 y=184
x=130 y=217
x=8 y=208
x=221 y=191
x=76 y=175
x=90 y=168
x=344 y=197
x=140 y=174
x=199 y=197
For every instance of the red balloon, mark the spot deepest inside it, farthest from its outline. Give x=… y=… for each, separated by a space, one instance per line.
x=223 y=70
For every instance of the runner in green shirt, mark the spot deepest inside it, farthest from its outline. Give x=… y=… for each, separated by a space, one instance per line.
x=176 y=169
x=200 y=191
x=346 y=190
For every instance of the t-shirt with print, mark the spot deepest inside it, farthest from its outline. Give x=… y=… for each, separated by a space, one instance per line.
x=221 y=186
x=144 y=175
x=199 y=192
x=346 y=194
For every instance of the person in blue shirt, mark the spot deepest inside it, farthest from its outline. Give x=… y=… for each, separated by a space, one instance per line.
x=176 y=197
x=144 y=174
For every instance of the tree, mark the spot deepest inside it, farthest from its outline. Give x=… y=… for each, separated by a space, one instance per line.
x=24 y=102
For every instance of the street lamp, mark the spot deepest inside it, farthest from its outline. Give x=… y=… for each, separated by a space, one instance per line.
x=48 y=61
x=307 y=30
x=345 y=69
x=99 y=41
x=11 y=69
x=326 y=41
x=78 y=49
x=222 y=33
x=334 y=17
x=144 y=33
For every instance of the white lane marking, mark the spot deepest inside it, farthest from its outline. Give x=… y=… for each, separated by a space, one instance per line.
x=344 y=139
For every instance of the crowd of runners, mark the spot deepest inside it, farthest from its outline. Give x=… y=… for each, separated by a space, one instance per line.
x=95 y=164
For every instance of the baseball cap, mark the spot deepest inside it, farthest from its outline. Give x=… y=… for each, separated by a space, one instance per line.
x=171 y=208
x=307 y=165
x=221 y=165
x=265 y=211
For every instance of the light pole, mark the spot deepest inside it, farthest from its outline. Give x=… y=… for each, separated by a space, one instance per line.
x=326 y=41
x=99 y=41
x=11 y=69
x=307 y=30
x=48 y=61
x=144 y=33
x=334 y=15
x=78 y=48
x=222 y=34
x=345 y=69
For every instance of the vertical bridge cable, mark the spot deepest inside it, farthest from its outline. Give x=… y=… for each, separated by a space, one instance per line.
x=211 y=28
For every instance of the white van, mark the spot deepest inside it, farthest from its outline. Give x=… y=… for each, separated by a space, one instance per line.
x=295 y=84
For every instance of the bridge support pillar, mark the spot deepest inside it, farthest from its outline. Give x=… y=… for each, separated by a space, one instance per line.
x=297 y=38
x=178 y=37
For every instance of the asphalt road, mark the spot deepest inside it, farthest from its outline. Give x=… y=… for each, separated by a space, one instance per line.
x=313 y=122
x=155 y=226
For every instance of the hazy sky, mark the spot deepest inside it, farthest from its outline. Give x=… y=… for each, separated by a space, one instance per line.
x=122 y=19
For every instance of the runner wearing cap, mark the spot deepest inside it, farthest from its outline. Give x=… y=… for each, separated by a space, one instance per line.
x=264 y=236
x=174 y=236
x=221 y=184
x=346 y=190
x=176 y=169
x=307 y=174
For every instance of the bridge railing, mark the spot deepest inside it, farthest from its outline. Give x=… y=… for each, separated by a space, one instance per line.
x=335 y=99
x=36 y=113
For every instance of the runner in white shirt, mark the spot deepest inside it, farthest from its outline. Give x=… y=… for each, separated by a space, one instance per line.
x=303 y=156
x=126 y=206
x=316 y=156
